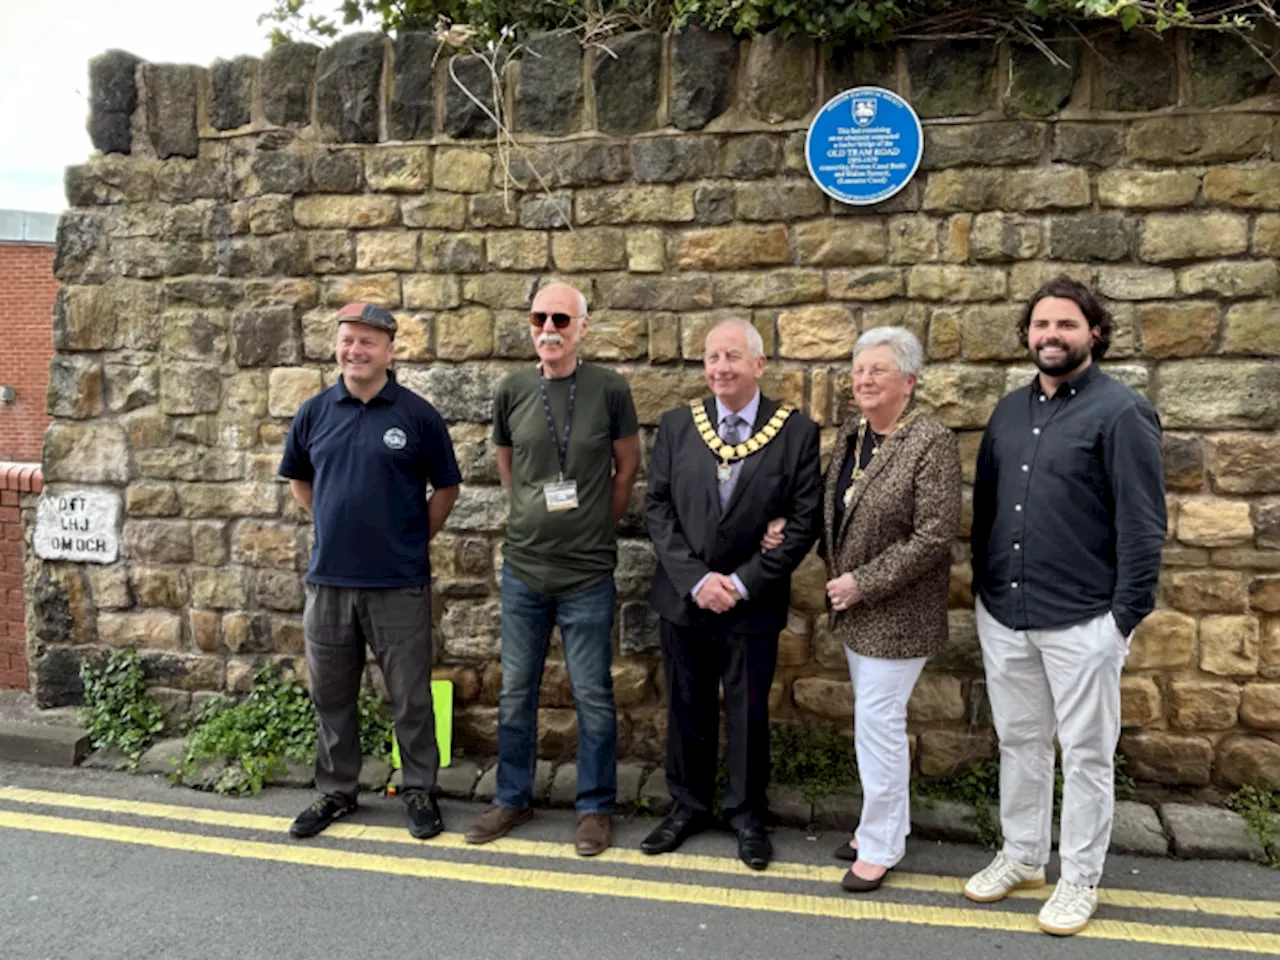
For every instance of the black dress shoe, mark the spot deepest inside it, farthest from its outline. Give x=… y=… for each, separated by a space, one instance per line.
x=845 y=852
x=754 y=848
x=677 y=827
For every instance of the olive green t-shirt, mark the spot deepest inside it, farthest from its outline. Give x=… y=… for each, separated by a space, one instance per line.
x=560 y=552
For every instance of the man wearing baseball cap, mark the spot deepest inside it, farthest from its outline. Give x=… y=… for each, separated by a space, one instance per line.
x=360 y=456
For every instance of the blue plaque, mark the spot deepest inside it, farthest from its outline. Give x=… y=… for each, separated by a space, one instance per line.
x=864 y=145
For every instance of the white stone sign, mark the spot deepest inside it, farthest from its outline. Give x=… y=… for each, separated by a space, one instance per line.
x=80 y=525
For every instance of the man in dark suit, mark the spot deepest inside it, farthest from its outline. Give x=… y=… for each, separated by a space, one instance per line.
x=721 y=469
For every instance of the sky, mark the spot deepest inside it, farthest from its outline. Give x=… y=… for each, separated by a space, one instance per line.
x=45 y=48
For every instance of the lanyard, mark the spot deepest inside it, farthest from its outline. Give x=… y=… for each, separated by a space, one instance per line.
x=562 y=448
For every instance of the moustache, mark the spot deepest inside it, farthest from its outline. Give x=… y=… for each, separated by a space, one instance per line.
x=550 y=339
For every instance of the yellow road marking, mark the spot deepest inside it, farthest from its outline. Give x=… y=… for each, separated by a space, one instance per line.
x=628 y=888
x=509 y=846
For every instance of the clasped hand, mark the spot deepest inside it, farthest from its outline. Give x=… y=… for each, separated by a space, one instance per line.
x=718 y=594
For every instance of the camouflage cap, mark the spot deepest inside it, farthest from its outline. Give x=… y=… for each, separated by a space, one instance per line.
x=370 y=314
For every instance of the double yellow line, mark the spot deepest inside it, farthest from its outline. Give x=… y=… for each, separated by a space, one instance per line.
x=622 y=887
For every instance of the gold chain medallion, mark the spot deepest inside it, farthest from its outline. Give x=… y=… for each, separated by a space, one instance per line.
x=729 y=454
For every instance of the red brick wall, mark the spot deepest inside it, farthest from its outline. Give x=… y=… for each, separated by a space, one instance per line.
x=27 y=292
x=15 y=480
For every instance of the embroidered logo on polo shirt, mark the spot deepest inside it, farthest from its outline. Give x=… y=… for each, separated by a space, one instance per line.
x=395 y=438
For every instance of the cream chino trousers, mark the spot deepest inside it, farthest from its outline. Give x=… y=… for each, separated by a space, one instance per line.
x=881 y=689
x=1065 y=681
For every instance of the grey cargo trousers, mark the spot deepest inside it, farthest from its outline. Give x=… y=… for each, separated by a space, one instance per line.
x=395 y=622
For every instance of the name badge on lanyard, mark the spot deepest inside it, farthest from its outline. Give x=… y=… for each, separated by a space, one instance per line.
x=561 y=494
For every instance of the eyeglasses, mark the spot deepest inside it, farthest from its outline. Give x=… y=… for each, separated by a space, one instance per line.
x=875 y=373
x=561 y=320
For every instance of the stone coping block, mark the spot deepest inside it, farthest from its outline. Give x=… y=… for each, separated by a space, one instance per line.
x=1209 y=833
x=49 y=745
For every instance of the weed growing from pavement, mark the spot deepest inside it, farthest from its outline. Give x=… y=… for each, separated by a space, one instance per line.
x=979 y=787
x=819 y=760
x=1261 y=811
x=274 y=725
x=117 y=712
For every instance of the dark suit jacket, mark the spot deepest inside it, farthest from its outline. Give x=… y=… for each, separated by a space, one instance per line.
x=693 y=537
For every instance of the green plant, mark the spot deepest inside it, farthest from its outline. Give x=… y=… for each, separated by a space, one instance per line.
x=819 y=760
x=858 y=22
x=1260 y=809
x=272 y=726
x=1126 y=787
x=117 y=712
x=979 y=788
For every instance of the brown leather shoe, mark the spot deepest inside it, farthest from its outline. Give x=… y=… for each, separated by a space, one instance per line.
x=496 y=822
x=594 y=834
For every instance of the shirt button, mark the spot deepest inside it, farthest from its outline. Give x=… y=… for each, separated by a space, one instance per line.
x=1017 y=546
x=1025 y=468
x=1042 y=398
x=1017 y=507
x=1014 y=584
x=1036 y=431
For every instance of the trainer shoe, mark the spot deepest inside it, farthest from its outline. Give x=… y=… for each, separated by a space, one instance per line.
x=1000 y=878
x=425 y=821
x=320 y=814
x=1069 y=909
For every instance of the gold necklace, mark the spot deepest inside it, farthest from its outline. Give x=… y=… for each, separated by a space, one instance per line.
x=864 y=430
x=728 y=454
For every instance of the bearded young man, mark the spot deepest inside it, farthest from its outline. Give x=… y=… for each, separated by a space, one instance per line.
x=568 y=452
x=1068 y=526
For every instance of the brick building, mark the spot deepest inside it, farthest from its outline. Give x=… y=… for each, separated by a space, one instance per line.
x=27 y=292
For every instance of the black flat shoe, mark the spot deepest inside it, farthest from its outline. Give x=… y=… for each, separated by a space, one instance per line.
x=845 y=852
x=677 y=827
x=754 y=848
x=855 y=884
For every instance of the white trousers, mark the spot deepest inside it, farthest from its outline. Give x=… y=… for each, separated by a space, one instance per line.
x=1068 y=681
x=881 y=689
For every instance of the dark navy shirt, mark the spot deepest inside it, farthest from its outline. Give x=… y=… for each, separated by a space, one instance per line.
x=1068 y=506
x=369 y=465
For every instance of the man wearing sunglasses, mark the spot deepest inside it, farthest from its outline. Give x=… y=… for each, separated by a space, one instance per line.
x=568 y=452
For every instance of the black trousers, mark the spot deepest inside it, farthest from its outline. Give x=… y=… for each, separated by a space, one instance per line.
x=695 y=662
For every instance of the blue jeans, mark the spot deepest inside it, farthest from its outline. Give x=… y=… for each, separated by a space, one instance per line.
x=585 y=620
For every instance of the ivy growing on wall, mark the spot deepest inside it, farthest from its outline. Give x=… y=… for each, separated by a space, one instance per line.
x=836 y=24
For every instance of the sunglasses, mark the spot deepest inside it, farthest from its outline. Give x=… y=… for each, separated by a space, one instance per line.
x=561 y=320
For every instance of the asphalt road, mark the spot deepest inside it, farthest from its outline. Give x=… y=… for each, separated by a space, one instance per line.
x=100 y=865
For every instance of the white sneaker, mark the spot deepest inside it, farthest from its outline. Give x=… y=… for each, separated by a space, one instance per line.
x=1000 y=878
x=1069 y=909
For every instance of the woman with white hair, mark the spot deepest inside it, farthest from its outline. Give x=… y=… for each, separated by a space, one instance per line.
x=891 y=512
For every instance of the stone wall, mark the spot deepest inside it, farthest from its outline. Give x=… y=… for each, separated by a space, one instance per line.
x=234 y=208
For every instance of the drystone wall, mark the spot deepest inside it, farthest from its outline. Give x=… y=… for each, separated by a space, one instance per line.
x=232 y=209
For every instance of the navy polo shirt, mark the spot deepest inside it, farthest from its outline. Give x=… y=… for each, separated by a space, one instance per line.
x=369 y=465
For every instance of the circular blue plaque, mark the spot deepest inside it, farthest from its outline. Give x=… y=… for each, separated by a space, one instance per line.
x=864 y=145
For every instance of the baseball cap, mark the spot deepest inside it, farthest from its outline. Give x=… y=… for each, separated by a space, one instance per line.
x=370 y=314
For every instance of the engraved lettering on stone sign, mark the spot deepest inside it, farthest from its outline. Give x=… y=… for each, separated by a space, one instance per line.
x=78 y=525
